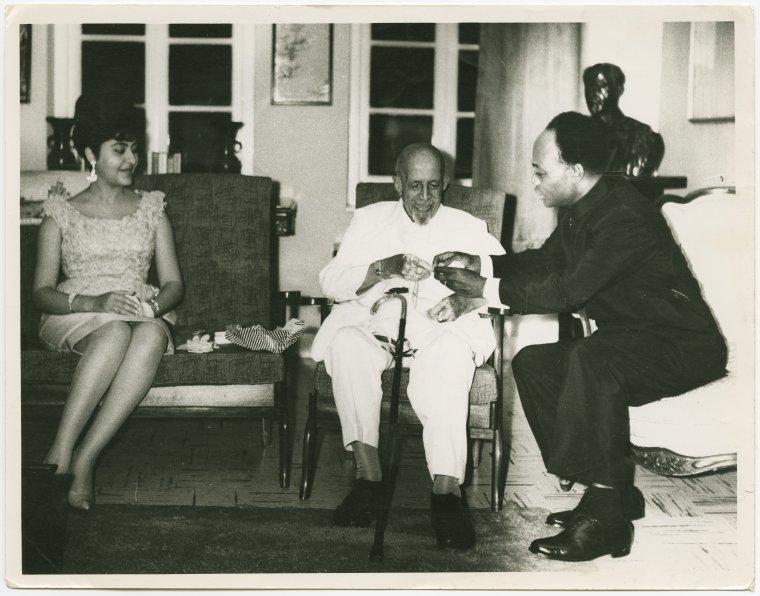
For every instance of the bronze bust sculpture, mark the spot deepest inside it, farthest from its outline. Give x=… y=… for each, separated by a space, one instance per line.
x=638 y=149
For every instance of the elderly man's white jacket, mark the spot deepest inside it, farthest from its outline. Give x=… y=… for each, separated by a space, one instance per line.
x=382 y=230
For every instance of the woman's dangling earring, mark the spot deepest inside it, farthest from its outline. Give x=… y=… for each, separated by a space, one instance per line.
x=92 y=176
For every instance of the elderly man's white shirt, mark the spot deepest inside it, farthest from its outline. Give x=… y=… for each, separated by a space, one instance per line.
x=382 y=230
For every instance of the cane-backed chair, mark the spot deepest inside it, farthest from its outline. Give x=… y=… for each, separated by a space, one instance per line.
x=485 y=412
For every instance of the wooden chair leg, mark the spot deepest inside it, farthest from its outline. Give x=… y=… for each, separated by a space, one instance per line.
x=285 y=454
x=285 y=450
x=309 y=449
x=266 y=432
x=496 y=471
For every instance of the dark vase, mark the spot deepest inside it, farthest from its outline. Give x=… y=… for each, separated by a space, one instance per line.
x=228 y=163
x=61 y=155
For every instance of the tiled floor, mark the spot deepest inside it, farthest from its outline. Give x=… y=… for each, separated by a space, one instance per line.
x=196 y=462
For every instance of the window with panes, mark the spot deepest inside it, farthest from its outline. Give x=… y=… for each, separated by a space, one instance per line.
x=181 y=75
x=418 y=84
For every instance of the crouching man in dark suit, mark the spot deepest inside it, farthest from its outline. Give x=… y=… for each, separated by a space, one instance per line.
x=613 y=255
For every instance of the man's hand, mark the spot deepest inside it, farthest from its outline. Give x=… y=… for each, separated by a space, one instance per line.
x=445 y=259
x=462 y=281
x=454 y=306
x=406 y=266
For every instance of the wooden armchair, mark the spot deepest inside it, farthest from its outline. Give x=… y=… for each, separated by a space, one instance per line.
x=227 y=255
x=696 y=432
x=485 y=411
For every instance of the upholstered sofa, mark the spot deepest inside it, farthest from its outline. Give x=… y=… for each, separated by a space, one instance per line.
x=227 y=254
x=701 y=430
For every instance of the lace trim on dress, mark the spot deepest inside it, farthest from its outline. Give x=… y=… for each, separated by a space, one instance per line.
x=55 y=206
x=151 y=209
x=151 y=205
x=154 y=206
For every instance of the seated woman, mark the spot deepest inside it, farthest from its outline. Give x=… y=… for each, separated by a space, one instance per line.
x=104 y=240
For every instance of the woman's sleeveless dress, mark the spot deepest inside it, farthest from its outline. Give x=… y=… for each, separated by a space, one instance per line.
x=99 y=256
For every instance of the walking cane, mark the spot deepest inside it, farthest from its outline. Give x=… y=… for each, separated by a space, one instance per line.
x=394 y=436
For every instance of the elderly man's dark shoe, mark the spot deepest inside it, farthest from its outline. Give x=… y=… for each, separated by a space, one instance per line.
x=633 y=508
x=361 y=505
x=587 y=538
x=451 y=522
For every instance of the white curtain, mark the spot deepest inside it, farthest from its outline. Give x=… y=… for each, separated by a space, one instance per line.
x=528 y=73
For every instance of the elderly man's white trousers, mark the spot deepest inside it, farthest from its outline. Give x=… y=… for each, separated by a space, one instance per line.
x=440 y=376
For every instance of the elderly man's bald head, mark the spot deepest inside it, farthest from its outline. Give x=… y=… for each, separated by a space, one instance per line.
x=420 y=181
x=418 y=151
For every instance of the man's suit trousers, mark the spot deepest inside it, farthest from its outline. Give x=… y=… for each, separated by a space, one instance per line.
x=576 y=393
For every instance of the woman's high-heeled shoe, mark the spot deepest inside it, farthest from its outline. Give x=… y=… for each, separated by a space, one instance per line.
x=566 y=484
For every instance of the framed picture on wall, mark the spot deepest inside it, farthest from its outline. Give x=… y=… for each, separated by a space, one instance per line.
x=302 y=64
x=25 y=51
x=711 y=71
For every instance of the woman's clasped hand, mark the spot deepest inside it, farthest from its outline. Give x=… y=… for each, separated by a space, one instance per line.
x=121 y=302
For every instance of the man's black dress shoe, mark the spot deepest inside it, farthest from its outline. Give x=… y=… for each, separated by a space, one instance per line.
x=633 y=508
x=587 y=538
x=451 y=522
x=361 y=505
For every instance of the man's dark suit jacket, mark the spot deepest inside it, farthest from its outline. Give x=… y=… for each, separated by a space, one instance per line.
x=613 y=254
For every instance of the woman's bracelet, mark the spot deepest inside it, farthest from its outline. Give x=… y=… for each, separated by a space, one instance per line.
x=72 y=297
x=154 y=305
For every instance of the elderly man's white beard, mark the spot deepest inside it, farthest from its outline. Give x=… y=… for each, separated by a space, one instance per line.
x=421 y=218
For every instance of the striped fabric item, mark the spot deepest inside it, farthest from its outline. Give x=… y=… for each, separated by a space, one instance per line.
x=258 y=338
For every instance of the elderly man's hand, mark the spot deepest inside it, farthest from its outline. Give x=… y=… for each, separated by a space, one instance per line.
x=407 y=266
x=462 y=281
x=454 y=306
x=445 y=259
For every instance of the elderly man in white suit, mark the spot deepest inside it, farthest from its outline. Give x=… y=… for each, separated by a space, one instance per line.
x=391 y=244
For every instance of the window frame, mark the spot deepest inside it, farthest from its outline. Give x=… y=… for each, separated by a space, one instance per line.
x=445 y=111
x=67 y=80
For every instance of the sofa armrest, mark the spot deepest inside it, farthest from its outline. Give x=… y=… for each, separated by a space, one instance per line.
x=316 y=300
x=325 y=305
x=292 y=300
x=286 y=305
x=290 y=296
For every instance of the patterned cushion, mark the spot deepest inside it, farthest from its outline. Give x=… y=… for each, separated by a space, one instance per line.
x=482 y=393
x=217 y=368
